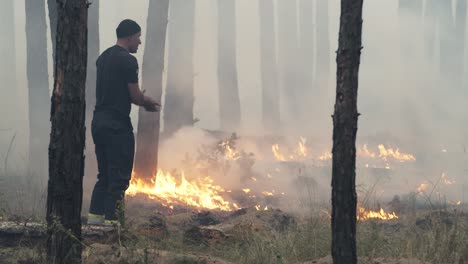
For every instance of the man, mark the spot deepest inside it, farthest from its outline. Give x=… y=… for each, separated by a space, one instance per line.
x=116 y=89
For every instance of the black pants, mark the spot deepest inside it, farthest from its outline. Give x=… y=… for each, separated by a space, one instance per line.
x=115 y=147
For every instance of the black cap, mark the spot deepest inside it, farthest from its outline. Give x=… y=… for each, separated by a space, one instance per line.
x=127 y=28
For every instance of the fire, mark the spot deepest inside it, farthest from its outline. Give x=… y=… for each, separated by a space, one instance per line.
x=325 y=156
x=229 y=152
x=276 y=151
x=364 y=214
x=365 y=152
x=422 y=187
x=302 y=150
x=446 y=180
x=395 y=154
x=200 y=193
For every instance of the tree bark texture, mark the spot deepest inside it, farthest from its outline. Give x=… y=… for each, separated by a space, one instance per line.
x=146 y=158
x=38 y=85
x=269 y=68
x=67 y=139
x=345 y=120
x=178 y=105
x=229 y=101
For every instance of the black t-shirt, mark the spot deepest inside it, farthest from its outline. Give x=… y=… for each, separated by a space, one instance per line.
x=116 y=68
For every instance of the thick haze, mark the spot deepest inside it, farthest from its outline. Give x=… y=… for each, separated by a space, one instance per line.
x=400 y=97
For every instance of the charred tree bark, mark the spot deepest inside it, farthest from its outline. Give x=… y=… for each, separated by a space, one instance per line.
x=269 y=68
x=38 y=85
x=178 y=105
x=229 y=101
x=345 y=122
x=146 y=158
x=288 y=58
x=67 y=138
x=9 y=94
x=323 y=46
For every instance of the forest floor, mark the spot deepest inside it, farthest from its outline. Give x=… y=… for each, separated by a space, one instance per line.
x=249 y=236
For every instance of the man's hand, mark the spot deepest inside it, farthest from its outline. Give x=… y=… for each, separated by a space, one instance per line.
x=151 y=105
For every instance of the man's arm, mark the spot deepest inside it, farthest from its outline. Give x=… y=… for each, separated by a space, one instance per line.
x=138 y=98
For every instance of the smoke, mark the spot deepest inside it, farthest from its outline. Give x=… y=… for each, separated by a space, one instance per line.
x=404 y=99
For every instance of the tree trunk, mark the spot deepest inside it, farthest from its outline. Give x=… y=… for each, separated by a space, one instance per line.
x=309 y=98
x=344 y=134
x=229 y=101
x=447 y=42
x=288 y=58
x=409 y=13
x=269 y=68
x=93 y=54
x=9 y=93
x=52 y=7
x=460 y=27
x=146 y=159
x=178 y=106
x=430 y=18
x=323 y=47
x=38 y=83
x=67 y=138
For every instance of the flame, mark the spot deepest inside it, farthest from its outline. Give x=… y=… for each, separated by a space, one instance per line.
x=446 y=180
x=200 y=193
x=325 y=156
x=267 y=193
x=276 y=151
x=365 y=152
x=422 y=187
x=364 y=214
x=246 y=190
x=395 y=154
x=302 y=150
x=229 y=152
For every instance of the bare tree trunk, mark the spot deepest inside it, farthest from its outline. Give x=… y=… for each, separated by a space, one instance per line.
x=93 y=54
x=307 y=28
x=410 y=12
x=146 y=158
x=430 y=19
x=9 y=93
x=269 y=68
x=67 y=139
x=229 y=101
x=345 y=122
x=288 y=58
x=323 y=47
x=460 y=28
x=447 y=41
x=178 y=106
x=38 y=83
x=52 y=7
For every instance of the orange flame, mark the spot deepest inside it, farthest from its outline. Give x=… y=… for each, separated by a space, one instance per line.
x=395 y=154
x=364 y=214
x=172 y=191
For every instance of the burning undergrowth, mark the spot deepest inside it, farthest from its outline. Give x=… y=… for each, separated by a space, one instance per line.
x=229 y=173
